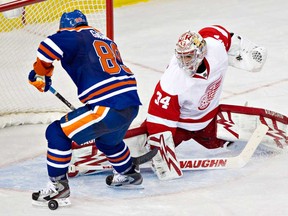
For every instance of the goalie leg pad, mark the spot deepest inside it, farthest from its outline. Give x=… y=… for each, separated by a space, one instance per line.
x=165 y=164
x=85 y=154
x=137 y=145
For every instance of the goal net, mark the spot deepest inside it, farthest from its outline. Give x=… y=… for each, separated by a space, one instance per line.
x=23 y=25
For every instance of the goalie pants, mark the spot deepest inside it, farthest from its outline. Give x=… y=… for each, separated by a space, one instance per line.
x=206 y=137
x=106 y=125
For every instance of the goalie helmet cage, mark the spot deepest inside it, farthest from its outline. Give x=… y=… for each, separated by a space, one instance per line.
x=23 y=25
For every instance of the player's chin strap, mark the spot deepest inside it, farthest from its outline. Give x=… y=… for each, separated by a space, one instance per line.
x=165 y=164
x=246 y=55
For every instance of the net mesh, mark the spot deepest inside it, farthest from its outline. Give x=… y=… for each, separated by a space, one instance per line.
x=21 y=31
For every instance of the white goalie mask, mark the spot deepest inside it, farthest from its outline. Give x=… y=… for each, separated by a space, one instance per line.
x=190 y=51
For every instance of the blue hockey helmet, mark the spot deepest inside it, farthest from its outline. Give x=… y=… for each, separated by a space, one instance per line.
x=73 y=19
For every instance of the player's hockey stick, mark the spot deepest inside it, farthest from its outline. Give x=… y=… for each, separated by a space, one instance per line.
x=60 y=97
x=145 y=158
x=205 y=163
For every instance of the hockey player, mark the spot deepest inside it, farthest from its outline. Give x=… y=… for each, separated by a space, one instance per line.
x=108 y=90
x=186 y=99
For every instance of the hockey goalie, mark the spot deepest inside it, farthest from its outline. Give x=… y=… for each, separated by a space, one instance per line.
x=185 y=102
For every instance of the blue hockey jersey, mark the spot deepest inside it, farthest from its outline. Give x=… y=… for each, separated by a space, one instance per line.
x=94 y=64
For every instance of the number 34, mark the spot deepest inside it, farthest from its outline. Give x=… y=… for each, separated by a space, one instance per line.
x=162 y=101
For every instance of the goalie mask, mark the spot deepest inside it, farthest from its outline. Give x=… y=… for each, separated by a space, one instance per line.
x=190 y=51
x=73 y=19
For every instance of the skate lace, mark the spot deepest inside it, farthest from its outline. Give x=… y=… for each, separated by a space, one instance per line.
x=51 y=187
x=118 y=177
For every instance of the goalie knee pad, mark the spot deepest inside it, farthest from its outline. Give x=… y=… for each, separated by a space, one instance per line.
x=85 y=154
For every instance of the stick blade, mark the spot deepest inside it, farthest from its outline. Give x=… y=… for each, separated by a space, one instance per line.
x=146 y=157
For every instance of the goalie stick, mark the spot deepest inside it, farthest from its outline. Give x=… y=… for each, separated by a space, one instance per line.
x=238 y=161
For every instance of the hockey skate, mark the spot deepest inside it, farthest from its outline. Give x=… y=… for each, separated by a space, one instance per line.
x=130 y=180
x=56 y=194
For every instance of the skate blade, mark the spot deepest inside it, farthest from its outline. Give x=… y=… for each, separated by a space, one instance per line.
x=64 y=202
x=127 y=187
x=61 y=202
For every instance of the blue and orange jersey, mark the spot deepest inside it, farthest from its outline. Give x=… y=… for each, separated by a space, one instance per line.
x=94 y=63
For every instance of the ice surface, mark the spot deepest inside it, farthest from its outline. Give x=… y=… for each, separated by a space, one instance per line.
x=146 y=34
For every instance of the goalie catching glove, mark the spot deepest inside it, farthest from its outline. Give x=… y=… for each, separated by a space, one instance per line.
x=165 y=164
x=246 y=55
x=42 y=83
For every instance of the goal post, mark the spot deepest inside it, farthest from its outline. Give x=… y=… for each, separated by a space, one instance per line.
x=23 y=25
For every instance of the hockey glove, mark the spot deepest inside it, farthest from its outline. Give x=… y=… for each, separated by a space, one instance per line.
x=42 y=83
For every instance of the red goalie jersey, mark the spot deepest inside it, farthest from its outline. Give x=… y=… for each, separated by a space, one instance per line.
x=190 y=103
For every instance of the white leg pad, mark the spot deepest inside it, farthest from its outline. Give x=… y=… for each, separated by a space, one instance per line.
x=85 y=154
x=165 y=164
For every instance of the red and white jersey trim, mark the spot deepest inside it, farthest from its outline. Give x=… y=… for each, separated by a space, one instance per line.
x=159 y=120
